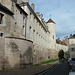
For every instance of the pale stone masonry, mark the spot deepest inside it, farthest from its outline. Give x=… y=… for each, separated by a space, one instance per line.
x=16 y=23
x=61 y=45
x=52 y=38
x=26 y=39
x=41 y=33
x=5 y=21
x=15 y=49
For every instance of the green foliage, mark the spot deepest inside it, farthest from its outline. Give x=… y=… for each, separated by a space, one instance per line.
x=61 y=54
x=45 y=62
x=74 y=35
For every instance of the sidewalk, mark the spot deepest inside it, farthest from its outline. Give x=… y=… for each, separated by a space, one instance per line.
x=29 y=71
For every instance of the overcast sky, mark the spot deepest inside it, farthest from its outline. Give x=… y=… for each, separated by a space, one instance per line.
x=62 y=13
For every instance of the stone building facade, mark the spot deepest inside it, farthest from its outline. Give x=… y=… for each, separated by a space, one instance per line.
x=15 y=50
x=72 y=45
x=43 y=34
x=16 y=18
x=28 y=39
x=52 y=38
x=70 y=42
x=5 y=21
x=61 y=45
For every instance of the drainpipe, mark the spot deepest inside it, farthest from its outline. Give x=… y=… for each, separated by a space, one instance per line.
x=25 y=26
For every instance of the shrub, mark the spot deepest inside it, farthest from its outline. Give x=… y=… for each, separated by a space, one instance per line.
x=61 y=54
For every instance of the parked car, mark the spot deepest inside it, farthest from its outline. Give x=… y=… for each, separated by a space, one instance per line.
x=71 y=63
x=72 y=71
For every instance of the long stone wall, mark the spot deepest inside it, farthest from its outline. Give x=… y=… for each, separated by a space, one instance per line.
x=53 y=54
x=40 y=54
x=21 y=53
x=17 y=53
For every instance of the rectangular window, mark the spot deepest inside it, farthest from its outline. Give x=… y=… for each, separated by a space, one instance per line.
x=53 y=36
x=1 y=18
x=72 y=49
x=72 y=44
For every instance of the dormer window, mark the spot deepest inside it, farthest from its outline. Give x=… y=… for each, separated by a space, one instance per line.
x=1 y=18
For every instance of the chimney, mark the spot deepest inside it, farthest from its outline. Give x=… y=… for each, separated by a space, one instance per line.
x=37 y=13
x=70 y=35
x=58 y=38
x=33 y=6
x=66 y=36
x=25 y=1
x=41 y=15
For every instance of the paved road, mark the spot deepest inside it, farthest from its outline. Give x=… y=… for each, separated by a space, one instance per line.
x=29 y=71
x=60 y=69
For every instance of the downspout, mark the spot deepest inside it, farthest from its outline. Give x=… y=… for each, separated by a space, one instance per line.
x=25 y=26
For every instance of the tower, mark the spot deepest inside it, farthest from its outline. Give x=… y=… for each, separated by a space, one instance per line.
x=52 y=38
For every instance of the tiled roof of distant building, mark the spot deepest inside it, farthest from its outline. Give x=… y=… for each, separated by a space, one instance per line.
x=60 y=42
x=50 y=20
x=72 y=36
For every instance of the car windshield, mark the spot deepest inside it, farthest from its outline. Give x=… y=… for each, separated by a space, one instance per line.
x=72 y=73
x=73 y=59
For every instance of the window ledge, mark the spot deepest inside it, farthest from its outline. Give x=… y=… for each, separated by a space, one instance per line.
x=2 y=24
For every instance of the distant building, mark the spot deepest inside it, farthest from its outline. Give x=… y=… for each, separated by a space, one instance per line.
x=60 y=45
x=72 y=45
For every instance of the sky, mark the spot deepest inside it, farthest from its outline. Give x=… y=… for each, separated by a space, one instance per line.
x=62 y=13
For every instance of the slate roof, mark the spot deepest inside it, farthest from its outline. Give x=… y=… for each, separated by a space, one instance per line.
x=60 y=42
x=50 y=20
x=72 y=37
